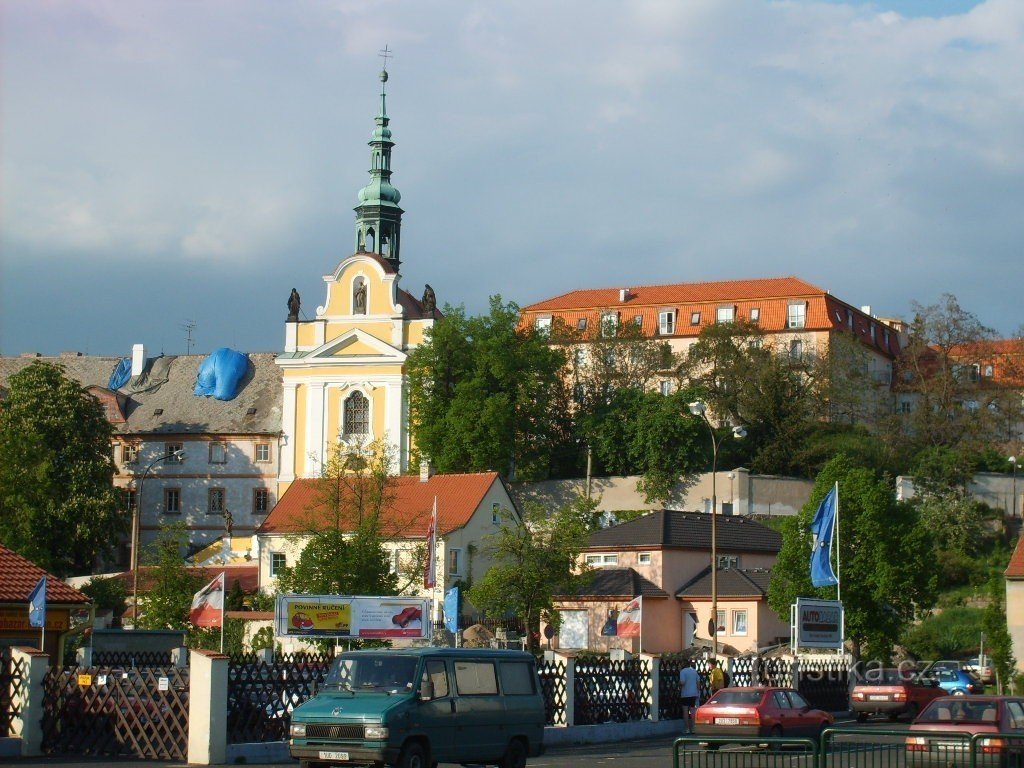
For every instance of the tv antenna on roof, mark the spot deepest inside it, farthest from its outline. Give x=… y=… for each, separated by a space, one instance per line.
x=188 y=326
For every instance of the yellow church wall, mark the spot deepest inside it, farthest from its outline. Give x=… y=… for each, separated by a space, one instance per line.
x=331 y=372
x=414 y=333
x=340 y=299
x=356 y=347
x=380 y=403
x=379 y=330
x=301 y=403
x=306 y=335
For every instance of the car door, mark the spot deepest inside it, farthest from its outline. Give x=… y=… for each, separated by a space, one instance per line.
x=784 y=708
x=479 y=711
x=802 y=724
x=436 y=718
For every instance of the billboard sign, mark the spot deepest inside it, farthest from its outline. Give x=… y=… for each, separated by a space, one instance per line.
x=818 y=623
x=351 y=617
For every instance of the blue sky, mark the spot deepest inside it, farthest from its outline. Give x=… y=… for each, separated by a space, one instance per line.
x=166 y=162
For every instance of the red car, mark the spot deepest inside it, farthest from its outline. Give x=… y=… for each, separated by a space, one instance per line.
x=893 y=692
x=941 y=733
x=759 y=712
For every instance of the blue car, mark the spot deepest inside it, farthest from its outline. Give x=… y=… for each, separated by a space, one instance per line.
x=957 y=682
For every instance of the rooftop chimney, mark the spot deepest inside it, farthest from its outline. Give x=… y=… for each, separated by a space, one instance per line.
x=138 y=359
x=624 y=294
x=426 y=469
x=866 y=309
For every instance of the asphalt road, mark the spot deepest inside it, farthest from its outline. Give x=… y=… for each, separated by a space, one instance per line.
x=862 y=751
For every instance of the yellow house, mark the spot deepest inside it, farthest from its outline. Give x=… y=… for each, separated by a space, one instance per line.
x=343 y=369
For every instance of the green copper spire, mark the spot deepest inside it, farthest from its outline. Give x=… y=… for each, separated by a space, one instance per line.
x=378 y=217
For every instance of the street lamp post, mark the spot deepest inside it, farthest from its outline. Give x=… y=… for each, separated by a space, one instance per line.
x=698 y=408
x=177 y=455
x=1013 y=498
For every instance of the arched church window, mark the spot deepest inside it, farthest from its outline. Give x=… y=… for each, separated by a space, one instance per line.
x=357 y=415
x=371 y=241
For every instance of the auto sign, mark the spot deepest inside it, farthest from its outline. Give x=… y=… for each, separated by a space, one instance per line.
x=819 y=623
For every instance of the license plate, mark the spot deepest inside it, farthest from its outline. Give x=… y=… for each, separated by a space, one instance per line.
x=727 y=721
x=334 y=755
x=878 y=698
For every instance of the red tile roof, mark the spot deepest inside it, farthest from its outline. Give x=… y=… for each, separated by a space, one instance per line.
x=408 y=516
x=247 y=576
x=1015 y=570
x=770 y=296
x=19 y=576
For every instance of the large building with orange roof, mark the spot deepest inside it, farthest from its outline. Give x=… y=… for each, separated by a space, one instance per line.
x=797 y=317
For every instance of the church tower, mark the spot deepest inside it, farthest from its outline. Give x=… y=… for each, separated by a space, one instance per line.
x=344 y=369
x=378 y=217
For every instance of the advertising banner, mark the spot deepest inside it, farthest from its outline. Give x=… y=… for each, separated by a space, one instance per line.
x=818 y=623
x=347 y=616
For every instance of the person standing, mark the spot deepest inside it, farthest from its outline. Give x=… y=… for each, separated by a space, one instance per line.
x=717 y=677
x=689 y=691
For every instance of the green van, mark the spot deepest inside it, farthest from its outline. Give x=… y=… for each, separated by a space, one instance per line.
x=415 y=708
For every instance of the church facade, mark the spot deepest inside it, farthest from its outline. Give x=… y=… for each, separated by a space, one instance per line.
x=343 y=369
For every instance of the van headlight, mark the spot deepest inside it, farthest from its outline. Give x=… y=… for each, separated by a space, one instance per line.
x=375 y=733
x=297 y=730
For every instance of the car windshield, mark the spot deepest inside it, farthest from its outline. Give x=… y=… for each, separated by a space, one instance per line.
x=885 y=677
x=965 y=711
x=736 y=697
x=373 y=672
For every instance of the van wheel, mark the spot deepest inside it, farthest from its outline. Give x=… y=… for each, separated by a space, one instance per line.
x=412 y=756
x=515 y=755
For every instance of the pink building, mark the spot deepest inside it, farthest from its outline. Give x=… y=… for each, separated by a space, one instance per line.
x=665 y=557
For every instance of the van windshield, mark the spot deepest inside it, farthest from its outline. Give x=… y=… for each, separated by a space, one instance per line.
x=388 y=672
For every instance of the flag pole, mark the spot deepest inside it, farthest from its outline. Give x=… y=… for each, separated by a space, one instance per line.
x=839 y=579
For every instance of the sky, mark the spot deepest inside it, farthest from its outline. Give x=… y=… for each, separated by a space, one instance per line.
x=181 y=163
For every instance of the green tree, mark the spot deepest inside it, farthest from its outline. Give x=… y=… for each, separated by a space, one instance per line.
x=486 y=394
x=58 y=507
x=940 y=364
x=170 y=584
x=953 y=633
x=534 y=561
x=998 y=644
x=343 y=529
x=885 y=553
x=648 y=434
x=108 y=594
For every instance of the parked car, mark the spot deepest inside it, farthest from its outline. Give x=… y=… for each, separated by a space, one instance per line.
x=981 y=668
x=894 y=693
x=941 y=733
x=758 y=712
x=958 y=682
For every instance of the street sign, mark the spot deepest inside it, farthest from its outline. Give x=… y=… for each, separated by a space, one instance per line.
x=712 y=629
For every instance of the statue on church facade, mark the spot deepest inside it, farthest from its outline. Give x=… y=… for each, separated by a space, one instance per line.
x=293 y=306
x=359 y=300
x=429 y=301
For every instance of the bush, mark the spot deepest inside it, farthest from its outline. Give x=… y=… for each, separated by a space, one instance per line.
x=954 y=633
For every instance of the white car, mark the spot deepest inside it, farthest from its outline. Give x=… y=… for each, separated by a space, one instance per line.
x=982 y=668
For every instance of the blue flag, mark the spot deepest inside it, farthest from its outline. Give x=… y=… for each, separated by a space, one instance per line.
x=37 y=605
x=823 y=528
x=451 y=610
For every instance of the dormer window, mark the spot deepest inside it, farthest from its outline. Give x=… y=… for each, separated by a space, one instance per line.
x=796 y=315
x=667 y=322
x=609 y=323
x=581 y=324
x=755 y=315
x=695 y=318
x=542 y=325
x=725 y=314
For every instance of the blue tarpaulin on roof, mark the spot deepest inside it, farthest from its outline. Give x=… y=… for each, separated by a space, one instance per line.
x=221 y=373
x=121 y=373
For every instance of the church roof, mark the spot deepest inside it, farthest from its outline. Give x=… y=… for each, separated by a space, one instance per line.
x=407 y=516
x=162 y=400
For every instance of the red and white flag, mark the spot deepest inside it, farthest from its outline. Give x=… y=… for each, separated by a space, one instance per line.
x=208 y=605
x=630 y=618
x=430 y=566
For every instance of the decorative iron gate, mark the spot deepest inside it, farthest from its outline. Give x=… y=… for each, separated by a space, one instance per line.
x=611 y=691
x=262 y=695
x=12 y=677
x=139 y=712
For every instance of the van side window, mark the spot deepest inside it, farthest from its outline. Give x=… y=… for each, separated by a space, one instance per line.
x=475 y=678
x=516 y=678
x=437 y=674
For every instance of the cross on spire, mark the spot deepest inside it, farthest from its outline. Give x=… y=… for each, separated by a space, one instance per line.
x=385 y=53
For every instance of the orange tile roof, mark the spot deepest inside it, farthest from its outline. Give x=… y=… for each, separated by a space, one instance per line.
x=1015 y=570
x=770 y=296
x=458 y=497
x=19 y=576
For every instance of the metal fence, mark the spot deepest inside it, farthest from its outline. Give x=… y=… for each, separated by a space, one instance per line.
x=131 y=659
x=825 y=683
x=553 y=686
x=262 y=694
x=669 y=705
x=12 y=682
